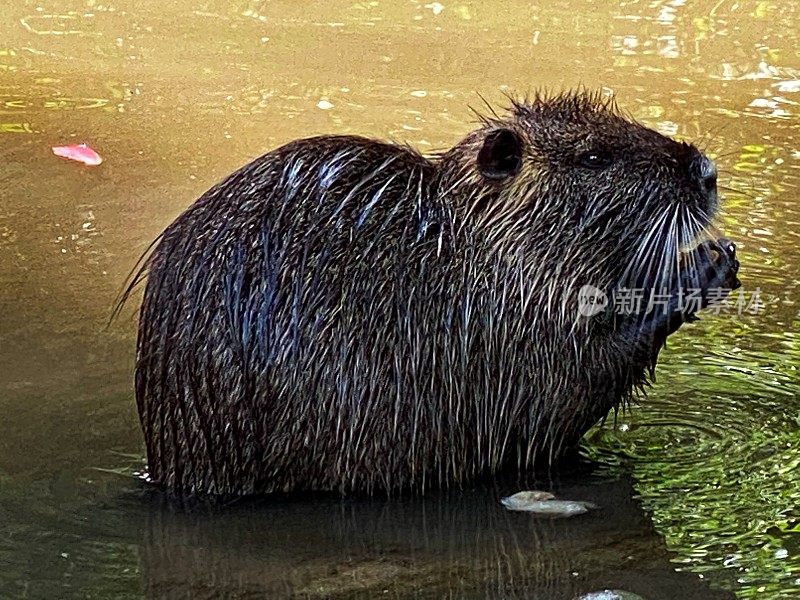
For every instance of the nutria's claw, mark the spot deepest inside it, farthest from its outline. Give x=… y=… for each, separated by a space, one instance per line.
x=730 y=252
x=730 y=249
x=715 y=268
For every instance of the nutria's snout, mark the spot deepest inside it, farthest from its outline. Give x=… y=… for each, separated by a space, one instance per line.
x=704 y=172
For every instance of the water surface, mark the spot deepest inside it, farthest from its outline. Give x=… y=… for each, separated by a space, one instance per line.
x=700 y=484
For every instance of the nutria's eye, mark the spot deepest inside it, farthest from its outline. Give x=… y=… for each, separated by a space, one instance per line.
x=595 y=159
x=501 y=155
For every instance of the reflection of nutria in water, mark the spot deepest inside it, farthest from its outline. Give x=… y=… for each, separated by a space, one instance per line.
x=345 y=314
x=447 y=544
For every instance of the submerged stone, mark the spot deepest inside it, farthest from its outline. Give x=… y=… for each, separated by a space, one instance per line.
x=545 y=503
x=610 y=595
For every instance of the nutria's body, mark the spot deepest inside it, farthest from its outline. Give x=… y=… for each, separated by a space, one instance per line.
x=345 y=314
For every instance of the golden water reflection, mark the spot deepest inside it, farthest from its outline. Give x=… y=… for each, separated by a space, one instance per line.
x=175 y=95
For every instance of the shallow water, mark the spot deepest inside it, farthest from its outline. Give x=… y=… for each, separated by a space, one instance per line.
x=703 y=477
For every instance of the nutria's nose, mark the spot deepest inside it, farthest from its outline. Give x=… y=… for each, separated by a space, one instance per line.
x=705 y=172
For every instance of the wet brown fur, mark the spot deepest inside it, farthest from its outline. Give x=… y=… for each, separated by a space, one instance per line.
x=345 y=314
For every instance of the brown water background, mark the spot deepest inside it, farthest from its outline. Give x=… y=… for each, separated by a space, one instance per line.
x=175 y=95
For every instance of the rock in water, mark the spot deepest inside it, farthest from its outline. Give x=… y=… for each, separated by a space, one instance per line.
x=546 y=504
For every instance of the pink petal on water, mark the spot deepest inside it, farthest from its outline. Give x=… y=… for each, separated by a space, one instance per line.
x=79 y=152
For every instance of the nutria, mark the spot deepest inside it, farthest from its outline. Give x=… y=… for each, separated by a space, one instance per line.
x=347 y=314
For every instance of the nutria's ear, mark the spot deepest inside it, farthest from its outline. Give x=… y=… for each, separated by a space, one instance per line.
x=501 y=155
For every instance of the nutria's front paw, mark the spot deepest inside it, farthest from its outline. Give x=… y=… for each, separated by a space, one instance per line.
x=710 y=272
x=708 y=275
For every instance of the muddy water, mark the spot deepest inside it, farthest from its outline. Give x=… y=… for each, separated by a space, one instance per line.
x=700 y=485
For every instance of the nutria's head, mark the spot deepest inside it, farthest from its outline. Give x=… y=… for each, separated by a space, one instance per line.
x=614 y=201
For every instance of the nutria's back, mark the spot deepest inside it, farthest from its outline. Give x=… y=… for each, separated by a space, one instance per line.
x=345 y=314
